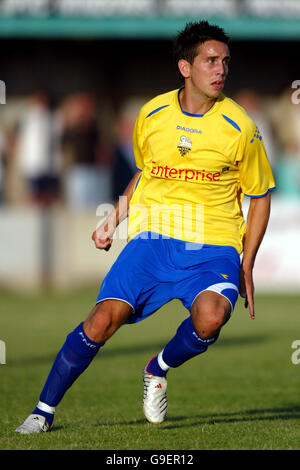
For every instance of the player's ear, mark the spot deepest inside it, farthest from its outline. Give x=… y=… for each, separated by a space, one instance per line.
x=184 y=68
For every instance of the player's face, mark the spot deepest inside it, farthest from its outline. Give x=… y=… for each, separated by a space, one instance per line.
x=208 y=72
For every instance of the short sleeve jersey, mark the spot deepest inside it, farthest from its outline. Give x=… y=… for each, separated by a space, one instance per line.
x=195 y=170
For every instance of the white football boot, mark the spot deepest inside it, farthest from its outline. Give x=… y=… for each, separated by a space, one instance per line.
x=33 y=425
x=155 y=398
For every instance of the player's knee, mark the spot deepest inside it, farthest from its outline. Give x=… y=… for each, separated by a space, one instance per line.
x=209 y=320
x=212 y=326
x=208 y=328
x=100 y=325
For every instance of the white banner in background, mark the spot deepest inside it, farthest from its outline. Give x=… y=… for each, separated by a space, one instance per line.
x=277 y=266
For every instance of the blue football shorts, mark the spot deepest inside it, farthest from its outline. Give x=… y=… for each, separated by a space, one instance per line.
x=148 y=273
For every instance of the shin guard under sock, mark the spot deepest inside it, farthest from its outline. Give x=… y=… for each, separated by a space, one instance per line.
x=183 y=346
x=73 y=358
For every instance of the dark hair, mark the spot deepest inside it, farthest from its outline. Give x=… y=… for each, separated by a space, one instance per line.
x=187 y=41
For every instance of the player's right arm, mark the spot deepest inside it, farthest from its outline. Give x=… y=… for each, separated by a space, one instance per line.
x=103 y=235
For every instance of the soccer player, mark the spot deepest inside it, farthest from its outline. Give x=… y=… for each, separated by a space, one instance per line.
x=197 y=154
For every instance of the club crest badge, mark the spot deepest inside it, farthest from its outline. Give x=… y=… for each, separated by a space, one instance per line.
x=184 y=145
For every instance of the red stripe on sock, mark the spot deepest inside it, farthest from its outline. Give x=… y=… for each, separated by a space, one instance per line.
x=149 y=364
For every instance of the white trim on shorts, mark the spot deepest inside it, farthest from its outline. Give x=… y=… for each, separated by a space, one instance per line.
x=218 y=289
x=116 y=298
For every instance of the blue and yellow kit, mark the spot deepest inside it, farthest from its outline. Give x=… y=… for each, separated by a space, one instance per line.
x=196 y=170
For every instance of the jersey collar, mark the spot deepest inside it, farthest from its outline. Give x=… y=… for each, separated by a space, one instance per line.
x=212 y=109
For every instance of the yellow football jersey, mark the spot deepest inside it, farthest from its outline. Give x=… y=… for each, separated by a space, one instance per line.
x=195 y=170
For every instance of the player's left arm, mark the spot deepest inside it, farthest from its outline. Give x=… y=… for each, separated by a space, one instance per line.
x=257 y=182
x=257 y=221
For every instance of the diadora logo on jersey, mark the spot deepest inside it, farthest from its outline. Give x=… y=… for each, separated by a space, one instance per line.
x=257 y=135
x=189 y=129
x=224 y=275
x=184 y=145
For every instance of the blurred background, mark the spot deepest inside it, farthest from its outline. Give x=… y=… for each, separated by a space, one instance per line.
x=76 y=73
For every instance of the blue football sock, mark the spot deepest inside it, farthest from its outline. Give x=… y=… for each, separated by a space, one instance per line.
x=156 y=366
x=73 y=358
x=185 y=344
x=41 y=411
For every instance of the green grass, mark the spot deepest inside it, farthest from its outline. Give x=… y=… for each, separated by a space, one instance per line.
x=242 y=394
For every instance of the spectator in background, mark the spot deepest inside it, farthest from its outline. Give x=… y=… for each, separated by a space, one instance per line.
x=86 y=176
x=286 y=122
x=2 y=156
x=257 y=109
x=35 y=151
x=124 y=162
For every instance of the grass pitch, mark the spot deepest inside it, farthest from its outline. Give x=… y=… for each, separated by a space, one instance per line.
x=242 y=394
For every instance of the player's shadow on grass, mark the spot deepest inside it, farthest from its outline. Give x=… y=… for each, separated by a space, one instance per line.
x=268 y=414
x=150 y=347
x=111 y=351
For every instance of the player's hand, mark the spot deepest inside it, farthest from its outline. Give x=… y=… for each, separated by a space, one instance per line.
x=247 y=289
x=102 y=237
